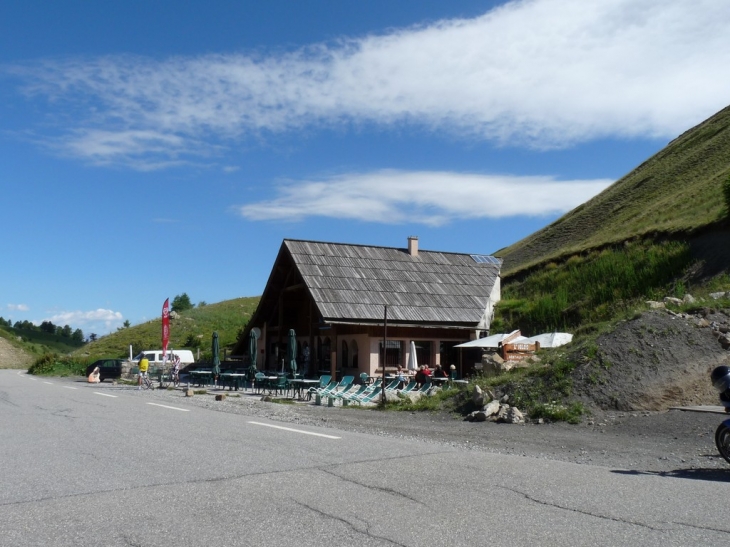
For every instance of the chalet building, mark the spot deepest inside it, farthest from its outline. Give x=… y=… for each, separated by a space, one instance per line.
x=334 y=296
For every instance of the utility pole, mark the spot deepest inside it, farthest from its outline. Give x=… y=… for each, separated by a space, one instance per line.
x=385 y=341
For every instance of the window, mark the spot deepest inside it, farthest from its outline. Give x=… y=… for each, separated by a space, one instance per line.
x=423 y=353
x=393 y=352
x=345 y=358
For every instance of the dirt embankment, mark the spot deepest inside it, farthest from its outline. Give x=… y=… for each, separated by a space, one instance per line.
x=653 y=362
x=12 y=357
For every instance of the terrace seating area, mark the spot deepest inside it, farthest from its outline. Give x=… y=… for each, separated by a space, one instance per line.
x=325 y=390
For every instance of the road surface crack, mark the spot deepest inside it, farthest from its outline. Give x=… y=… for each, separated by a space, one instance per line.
x=581 y=512
x=349 y=524
x=377 y=488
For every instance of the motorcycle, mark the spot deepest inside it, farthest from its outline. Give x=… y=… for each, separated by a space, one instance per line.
x=721 y=380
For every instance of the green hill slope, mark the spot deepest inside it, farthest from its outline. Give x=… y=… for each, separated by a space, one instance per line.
x=675 y=192
x=193 y=329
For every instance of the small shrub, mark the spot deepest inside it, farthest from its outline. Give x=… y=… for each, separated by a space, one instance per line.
x=558 y=413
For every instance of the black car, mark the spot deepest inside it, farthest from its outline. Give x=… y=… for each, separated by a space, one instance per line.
x=108 y=368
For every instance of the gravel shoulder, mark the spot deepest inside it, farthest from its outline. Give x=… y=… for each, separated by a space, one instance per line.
x=673 y=443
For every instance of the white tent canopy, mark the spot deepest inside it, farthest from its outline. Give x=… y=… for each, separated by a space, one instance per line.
x=493 y=341
x=550 y=339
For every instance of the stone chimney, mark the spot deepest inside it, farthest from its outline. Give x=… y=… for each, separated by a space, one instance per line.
x=413 y=245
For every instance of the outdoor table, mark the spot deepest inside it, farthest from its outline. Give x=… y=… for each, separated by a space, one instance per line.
x=461 y=382
x=300 y=384
x=267 y=382
x=232 y=379
x=439 y=380
x=202 y=376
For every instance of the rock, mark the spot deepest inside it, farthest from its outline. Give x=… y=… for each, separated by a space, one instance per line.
x=266 y=398
x=502 y=413
x=480 y=416
x=673 y=301
x=505 y=399
x=689 y=299
x=478 y=397
x=702 y=323
x=188 y=392
x=514 y=416
x=392 y=396
x=718 y=295
x=412 y=396
x=492 y=408
x=220 y=397
x=653 y=304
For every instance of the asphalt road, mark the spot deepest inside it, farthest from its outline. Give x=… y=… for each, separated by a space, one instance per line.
x=82 y=467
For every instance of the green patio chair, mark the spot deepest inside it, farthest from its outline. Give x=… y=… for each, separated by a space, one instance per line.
x=370 y=397
x=410 y=387
x=259 y=379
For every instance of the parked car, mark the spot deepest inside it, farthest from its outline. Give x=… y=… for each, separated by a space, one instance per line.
x=108 y=368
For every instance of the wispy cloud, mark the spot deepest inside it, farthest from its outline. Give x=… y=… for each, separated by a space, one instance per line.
x=431 y=198
x=18 y=307
x=541 y=73
x=99 y=320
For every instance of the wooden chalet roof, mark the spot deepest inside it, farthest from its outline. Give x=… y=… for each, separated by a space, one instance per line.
x=352 y=283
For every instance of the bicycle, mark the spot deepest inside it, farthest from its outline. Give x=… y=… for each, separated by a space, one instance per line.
x=169 y=377
x=146 y=382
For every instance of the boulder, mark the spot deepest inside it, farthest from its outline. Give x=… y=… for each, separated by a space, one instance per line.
x=492 y=408
x=477 y=397
x=514 y=416
x=480 y=416
x=502 y=412
x=672 y=300
x=188 y=392
x=702 y=323
x=220 y=397
x=391 y=396
x=689 y=299
x=718 y=295
x=724 y=340
x=653 y=304
x=412 y=396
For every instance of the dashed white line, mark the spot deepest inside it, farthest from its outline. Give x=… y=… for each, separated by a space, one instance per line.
x=296 y=430
x=70 y=387
x=105 y=394
x=49 y=383
x=170 y=407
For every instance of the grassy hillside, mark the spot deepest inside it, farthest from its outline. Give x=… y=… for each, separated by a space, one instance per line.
x=37 y=342
x=192 y=330
x=675 y=192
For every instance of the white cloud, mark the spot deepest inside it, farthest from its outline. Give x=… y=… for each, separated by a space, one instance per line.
x=432 y=198
x=100 y=320
x=537 y=72
x=18 y=307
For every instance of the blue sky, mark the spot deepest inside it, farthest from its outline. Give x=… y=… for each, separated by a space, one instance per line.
x=153 y=148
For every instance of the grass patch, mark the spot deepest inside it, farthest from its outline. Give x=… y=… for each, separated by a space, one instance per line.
x=594 y=288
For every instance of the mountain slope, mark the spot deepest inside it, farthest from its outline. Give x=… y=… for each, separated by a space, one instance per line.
x=676 y=191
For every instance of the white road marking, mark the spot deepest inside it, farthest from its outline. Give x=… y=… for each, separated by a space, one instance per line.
x=296 y=430
x=49 y=383
x=170 y=407
x=70 y=387
x=105 y=394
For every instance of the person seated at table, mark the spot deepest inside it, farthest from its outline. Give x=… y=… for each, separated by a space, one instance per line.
x=400 y=375
x=421 y=376
x=439 y=372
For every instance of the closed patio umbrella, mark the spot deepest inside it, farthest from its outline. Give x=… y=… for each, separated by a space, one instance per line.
x=412 y=359
x=216 y=358
x=291 y=351
x=252 y=350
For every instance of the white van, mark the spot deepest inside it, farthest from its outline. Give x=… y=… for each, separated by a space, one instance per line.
x=154 y=356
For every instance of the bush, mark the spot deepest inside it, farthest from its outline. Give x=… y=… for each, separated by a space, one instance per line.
x=726 y=194
x=51 y=364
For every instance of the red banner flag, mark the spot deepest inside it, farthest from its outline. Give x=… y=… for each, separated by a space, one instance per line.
x=165 y=326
